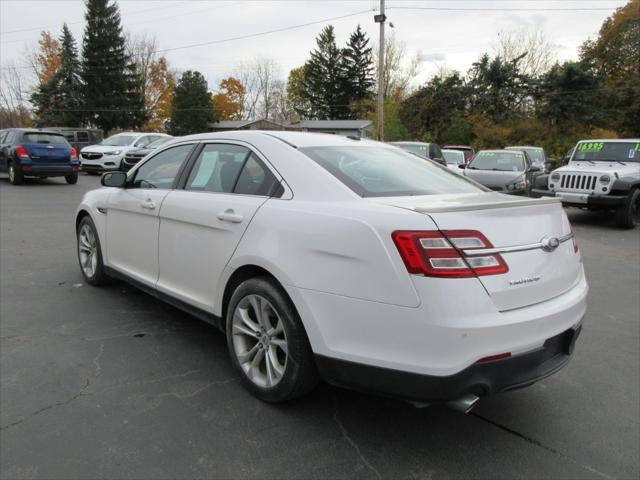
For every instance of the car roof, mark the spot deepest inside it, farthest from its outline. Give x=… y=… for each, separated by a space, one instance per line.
x=459 y=146
x=494 y=150
x=613 y=140
x=295 y=139
x=451 y=150
x=410 y=143
x=511 y=147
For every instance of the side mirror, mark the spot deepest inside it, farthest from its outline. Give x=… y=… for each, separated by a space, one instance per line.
x=534 y=168
x=114 y=179
x=462 y=165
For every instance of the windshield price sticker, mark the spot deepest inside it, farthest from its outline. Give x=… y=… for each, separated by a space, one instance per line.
x=632 y=152
x=486 y=154
x=590 y=147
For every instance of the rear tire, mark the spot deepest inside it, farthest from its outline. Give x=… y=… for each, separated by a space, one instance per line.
x=72 y=179
x=627 y=215
x=15 y=175
x=267 y=342
x=90 y=253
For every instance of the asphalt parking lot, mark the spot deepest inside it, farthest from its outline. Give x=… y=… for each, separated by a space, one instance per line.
x=112 y=383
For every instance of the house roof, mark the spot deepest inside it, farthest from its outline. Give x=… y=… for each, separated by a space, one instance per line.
x=335 y=124
x=232 y=123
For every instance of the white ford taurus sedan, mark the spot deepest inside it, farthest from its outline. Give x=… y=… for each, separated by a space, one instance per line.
x=347 y=260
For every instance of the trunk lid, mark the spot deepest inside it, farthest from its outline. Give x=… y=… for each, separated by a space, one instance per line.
x=42 y=152
x=534 y=275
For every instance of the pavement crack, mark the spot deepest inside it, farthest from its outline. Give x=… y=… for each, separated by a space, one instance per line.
x=350 y=441
x=49 y=407
x=539 y=444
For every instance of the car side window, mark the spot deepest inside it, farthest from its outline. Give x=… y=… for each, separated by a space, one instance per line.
x=217 y=168
x=3 y=135
x=255 y=179
x=161 y=170
x=10 y=138
x=435 y=151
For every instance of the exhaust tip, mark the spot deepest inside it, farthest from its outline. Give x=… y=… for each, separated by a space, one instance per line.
x=465 y=403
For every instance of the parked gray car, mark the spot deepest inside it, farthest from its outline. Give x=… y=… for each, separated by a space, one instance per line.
x=430 y=151
x=506 y=171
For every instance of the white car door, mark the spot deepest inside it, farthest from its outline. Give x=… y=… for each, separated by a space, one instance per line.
x=133 y=215
x=201 y=225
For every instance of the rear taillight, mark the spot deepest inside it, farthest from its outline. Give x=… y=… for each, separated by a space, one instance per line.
x=575 y=244
x=74 y=154
x=22 y=153
x=436 y=253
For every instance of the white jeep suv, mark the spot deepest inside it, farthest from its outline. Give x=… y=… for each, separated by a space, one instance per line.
x=601 y=175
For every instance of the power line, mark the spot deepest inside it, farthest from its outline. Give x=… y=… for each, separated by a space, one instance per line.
x=82 y=21
x=258 y=34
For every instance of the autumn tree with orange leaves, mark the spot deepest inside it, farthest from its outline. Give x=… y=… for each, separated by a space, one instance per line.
x=229 y=102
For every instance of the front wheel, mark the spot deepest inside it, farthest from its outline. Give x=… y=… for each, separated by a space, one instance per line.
x=90 y=254
x=72 y=179
x=628 y=214
x=267 y=342
x=15 y=175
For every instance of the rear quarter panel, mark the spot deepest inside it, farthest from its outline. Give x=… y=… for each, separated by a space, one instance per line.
x=338 y=248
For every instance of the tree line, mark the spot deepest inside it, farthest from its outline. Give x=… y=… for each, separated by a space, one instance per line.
x=515 y=95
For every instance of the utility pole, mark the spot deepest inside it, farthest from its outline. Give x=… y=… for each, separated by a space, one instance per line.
x=381 y=18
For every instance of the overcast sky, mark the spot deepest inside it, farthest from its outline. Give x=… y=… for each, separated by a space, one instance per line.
x=453 y=37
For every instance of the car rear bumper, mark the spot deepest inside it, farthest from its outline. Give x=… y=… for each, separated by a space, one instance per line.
x=48 y=170
x=582 y=199
x=479 y=379
x=456 y=325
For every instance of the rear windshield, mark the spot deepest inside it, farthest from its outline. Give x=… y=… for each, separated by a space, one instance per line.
x=39 y=137
x=607 y=152
x=422 y=150
x=119 y=140
x=453 y=157
x=385 y=172
x=503 y=161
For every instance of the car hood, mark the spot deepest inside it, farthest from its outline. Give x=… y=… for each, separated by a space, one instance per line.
x=610 y=168
x=106 y=148
x=492 y=178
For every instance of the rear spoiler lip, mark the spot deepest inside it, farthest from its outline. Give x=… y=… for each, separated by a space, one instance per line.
x=524 y=202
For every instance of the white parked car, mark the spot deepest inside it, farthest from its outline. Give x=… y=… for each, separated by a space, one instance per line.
x=601 y=175
x=108 y=154
x=348 y=260
x=454 y=159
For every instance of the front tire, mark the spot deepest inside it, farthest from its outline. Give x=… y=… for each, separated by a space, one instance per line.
x=628 y=215
x=71 y=179
x=90 y=253
x=15 y=175
x=267 y=342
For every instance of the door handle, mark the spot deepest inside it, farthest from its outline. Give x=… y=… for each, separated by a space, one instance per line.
x=230 y=216
x=148 y=204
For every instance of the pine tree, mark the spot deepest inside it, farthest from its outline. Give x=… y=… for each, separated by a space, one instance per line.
x=59 y=100
x=324 y=79
x=112 y=95
x=192 y=108
x=358 y=66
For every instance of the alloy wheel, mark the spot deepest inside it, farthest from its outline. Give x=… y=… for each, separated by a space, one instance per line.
x=88 y=251
x=259 y=341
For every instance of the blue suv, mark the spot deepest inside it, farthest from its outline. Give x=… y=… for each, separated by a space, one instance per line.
x=28 y=152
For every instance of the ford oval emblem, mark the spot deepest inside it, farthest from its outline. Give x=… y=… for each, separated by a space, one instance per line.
x=549 y=244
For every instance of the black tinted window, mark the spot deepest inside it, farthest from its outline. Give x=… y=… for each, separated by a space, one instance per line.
x=161 y=170
x=255 y=179
x=82 y=136
x=41 y=137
